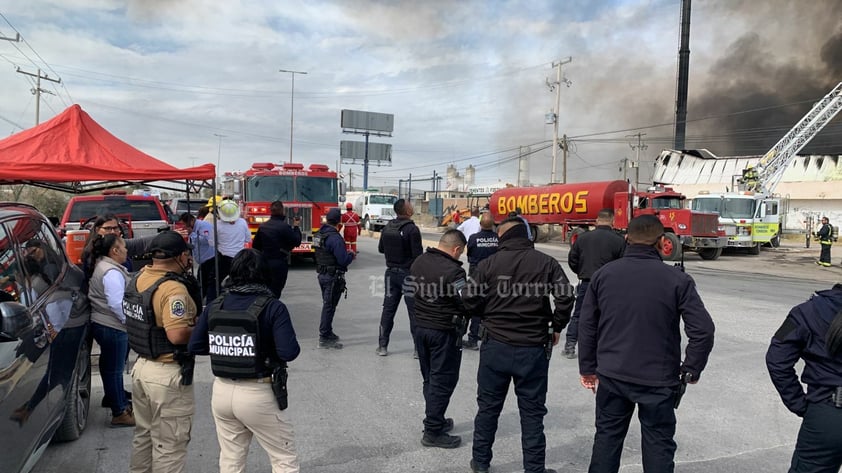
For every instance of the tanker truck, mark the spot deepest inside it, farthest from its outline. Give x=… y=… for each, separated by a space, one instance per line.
x=575 y=206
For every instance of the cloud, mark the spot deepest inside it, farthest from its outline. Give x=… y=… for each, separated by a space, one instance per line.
x=463 y=79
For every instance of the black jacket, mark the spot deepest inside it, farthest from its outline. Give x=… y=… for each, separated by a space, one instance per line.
x=594 y=249
x=825 y=232
x=275 y=238
x=802 y=336
x=436 y=281
x=400 y=241
x=629 y=327
x=511 y=290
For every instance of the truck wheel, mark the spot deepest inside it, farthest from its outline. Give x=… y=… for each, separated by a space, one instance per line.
x=671 y=250
x=710 y=253
x=366 y=224
x=537 y=234
x=77 y=401
x=775 y=241
x=754 y=250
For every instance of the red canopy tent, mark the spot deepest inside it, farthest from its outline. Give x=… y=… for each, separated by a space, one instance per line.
x=73 y=153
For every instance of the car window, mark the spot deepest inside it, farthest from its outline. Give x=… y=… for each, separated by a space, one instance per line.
x=43 y=262
x=124 y=208
x=11 y=275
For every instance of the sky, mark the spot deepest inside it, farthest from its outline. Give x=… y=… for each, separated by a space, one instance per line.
x=193 y=82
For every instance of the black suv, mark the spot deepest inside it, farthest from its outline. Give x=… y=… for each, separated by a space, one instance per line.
x=45 y=367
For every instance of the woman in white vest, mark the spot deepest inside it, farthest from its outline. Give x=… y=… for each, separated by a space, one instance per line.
x=105 y=291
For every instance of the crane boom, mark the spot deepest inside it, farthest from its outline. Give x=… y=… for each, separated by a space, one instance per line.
x=770 y=169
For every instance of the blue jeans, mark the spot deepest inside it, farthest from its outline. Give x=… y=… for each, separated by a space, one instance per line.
x=113 y=346
x=394 y=287
x=573 y=326
x=499 y=364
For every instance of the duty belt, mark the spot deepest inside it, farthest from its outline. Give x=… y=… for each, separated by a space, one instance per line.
x=329 y=270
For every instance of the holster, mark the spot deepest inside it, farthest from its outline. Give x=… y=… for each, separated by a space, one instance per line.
x=460 y=326
x=279 y=385
x=187 y=363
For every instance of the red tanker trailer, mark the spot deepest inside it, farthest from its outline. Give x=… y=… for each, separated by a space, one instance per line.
x=574 y=207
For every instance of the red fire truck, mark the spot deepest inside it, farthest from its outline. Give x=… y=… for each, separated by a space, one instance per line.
x=306 y=193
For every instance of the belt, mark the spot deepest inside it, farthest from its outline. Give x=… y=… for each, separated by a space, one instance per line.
x=266 y=380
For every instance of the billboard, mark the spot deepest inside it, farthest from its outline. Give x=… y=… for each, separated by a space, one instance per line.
x=369 y=121
x=352 y=152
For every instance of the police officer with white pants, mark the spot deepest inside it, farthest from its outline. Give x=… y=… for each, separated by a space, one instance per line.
x=249 y=336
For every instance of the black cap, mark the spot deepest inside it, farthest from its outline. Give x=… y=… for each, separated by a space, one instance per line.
x=168 y=244
x=333 y=216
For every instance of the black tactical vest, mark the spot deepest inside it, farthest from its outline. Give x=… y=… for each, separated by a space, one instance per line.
x=146 y=338
x=234 y=340
x=397 y=250
x=324 y=257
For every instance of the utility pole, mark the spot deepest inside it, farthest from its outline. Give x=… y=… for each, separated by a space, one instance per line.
x=291 y=105
x=556 y=86
x=564 y=160
x=624 y=166
x=38 y=90
x=639 y=146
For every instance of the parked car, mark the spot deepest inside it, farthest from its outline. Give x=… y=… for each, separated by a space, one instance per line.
x=45 y=367
x=143 y=214
x=179 y=206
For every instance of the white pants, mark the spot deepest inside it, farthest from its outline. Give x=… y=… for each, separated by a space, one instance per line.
x=245 y=408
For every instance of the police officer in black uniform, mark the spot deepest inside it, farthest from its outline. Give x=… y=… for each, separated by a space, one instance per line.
x=481 y=245
x=249 y=336
x=512 y=289
x=400 y=241
x=332 y=260
x=812 y=332
x=629 y=336
x=590 y=251
x=276 y=239
x=437 y=280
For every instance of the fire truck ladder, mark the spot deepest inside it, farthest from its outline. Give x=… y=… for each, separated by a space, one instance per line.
x=771 y=167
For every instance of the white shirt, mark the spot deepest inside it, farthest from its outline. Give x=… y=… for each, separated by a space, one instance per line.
x=115 y=288
x=232 y=237
x=469 y=227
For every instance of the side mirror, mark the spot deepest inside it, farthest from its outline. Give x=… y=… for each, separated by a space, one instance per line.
x=341 y=198
x=762 y=209
x=15 y=320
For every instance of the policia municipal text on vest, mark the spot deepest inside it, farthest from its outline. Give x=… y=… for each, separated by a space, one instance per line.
x=237 y=350
x=148 y=339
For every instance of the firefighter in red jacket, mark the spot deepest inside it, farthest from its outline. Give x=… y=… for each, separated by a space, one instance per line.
x=350 y=227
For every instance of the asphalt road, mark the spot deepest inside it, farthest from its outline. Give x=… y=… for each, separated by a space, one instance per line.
x=356 y=412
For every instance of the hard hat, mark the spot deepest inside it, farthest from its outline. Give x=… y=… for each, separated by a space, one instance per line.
x=229 y=211
x=216 y=199
x=349 y=206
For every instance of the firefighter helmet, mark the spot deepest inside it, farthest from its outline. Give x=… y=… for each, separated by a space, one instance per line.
x=229 y=211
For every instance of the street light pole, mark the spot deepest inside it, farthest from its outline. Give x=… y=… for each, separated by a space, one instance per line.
x=219 y=154
x=291 y=105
